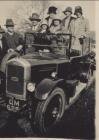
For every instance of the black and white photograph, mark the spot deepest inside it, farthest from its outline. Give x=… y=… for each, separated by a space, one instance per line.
x=47 y=69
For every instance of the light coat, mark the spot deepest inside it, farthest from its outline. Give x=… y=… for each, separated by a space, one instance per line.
x=67 y=25
x=80 y=28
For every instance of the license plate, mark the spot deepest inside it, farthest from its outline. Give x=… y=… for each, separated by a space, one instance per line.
x=13 y=105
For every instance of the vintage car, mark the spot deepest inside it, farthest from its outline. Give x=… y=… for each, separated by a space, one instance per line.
x=43 y=83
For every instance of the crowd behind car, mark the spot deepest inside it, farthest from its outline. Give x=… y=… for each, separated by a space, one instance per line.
x=77 y=26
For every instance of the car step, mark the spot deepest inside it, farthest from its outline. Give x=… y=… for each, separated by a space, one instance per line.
x=79 y=88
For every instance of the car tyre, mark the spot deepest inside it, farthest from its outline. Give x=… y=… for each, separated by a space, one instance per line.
x=50 y=111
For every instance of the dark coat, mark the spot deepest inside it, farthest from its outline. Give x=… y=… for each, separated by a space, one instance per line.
x=47 y=19
x=12 y=41
x=4 y=49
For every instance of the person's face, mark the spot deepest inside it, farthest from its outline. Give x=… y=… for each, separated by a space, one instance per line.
x=10 y=29
x=34 y=22
x=1 y=36
x=67 y=14
x=44 y=27
x=52 y=15
x=56 y=22
x=78 y=15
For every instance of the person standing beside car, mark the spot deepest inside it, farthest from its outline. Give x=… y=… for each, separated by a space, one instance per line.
x=13 y=40
x=67 y=21
x=35 y=23
x=80 y=30
x=3 y=49
x=52 y=13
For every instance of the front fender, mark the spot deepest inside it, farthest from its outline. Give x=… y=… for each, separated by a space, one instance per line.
x=45 y=87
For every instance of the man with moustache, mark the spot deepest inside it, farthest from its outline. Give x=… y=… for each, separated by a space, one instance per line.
x=13 y=40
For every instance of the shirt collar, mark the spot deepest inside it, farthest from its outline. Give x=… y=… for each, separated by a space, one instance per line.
x=10 y=33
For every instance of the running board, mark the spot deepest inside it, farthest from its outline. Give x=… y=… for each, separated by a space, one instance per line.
x=79 y=88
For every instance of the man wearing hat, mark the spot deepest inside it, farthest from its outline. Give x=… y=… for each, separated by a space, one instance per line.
x=52 y=13
x=67 y=21
x=35 y=23
x=13 y=40
x=80 y=29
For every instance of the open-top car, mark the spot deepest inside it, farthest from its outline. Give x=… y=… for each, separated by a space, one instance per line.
x=47 y=78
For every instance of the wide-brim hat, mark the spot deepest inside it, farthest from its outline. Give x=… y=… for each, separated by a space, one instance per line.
x=2 y=30
x=78 y=9
x=68 y=9
x=9 y=22
x=58 y=19
x=52 y=9
x=35 y=16
x=44 y=24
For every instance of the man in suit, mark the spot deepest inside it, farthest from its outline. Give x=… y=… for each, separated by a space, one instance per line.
x=80 y=29
x=3 y=48
x=35 y=23
x=13 y=40
x=52 y=13
x=67 y=21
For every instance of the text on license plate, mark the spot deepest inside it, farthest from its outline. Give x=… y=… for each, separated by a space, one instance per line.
x=13 y=105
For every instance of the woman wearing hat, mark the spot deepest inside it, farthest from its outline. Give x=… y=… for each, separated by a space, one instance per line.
x=35 y=23
x=52 y=13
x=80 y=29
x=56 y=26
x=67 y=21
x=13 y=40
x=44 y=28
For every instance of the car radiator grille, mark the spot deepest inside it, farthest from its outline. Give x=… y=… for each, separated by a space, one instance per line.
x=15 y=79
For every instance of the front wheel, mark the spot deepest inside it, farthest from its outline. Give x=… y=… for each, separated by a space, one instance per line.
x=50 y=111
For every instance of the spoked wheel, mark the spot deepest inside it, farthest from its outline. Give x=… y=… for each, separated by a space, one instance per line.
x=50 y=111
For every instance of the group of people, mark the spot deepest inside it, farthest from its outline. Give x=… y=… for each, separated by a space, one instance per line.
x=78 y=26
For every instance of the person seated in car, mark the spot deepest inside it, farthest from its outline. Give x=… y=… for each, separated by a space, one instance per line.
x=35 y=23
x=53 y=44
x=57 y=46
x=30 y=48
x=12 y=39
x=61 y=47
x=56 y=26
x=44 y=28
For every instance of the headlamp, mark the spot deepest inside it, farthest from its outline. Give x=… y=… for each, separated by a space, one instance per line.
x=54 y=74
x=31 y=87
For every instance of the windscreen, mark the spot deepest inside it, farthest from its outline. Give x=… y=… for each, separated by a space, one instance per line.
x=43 y=41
